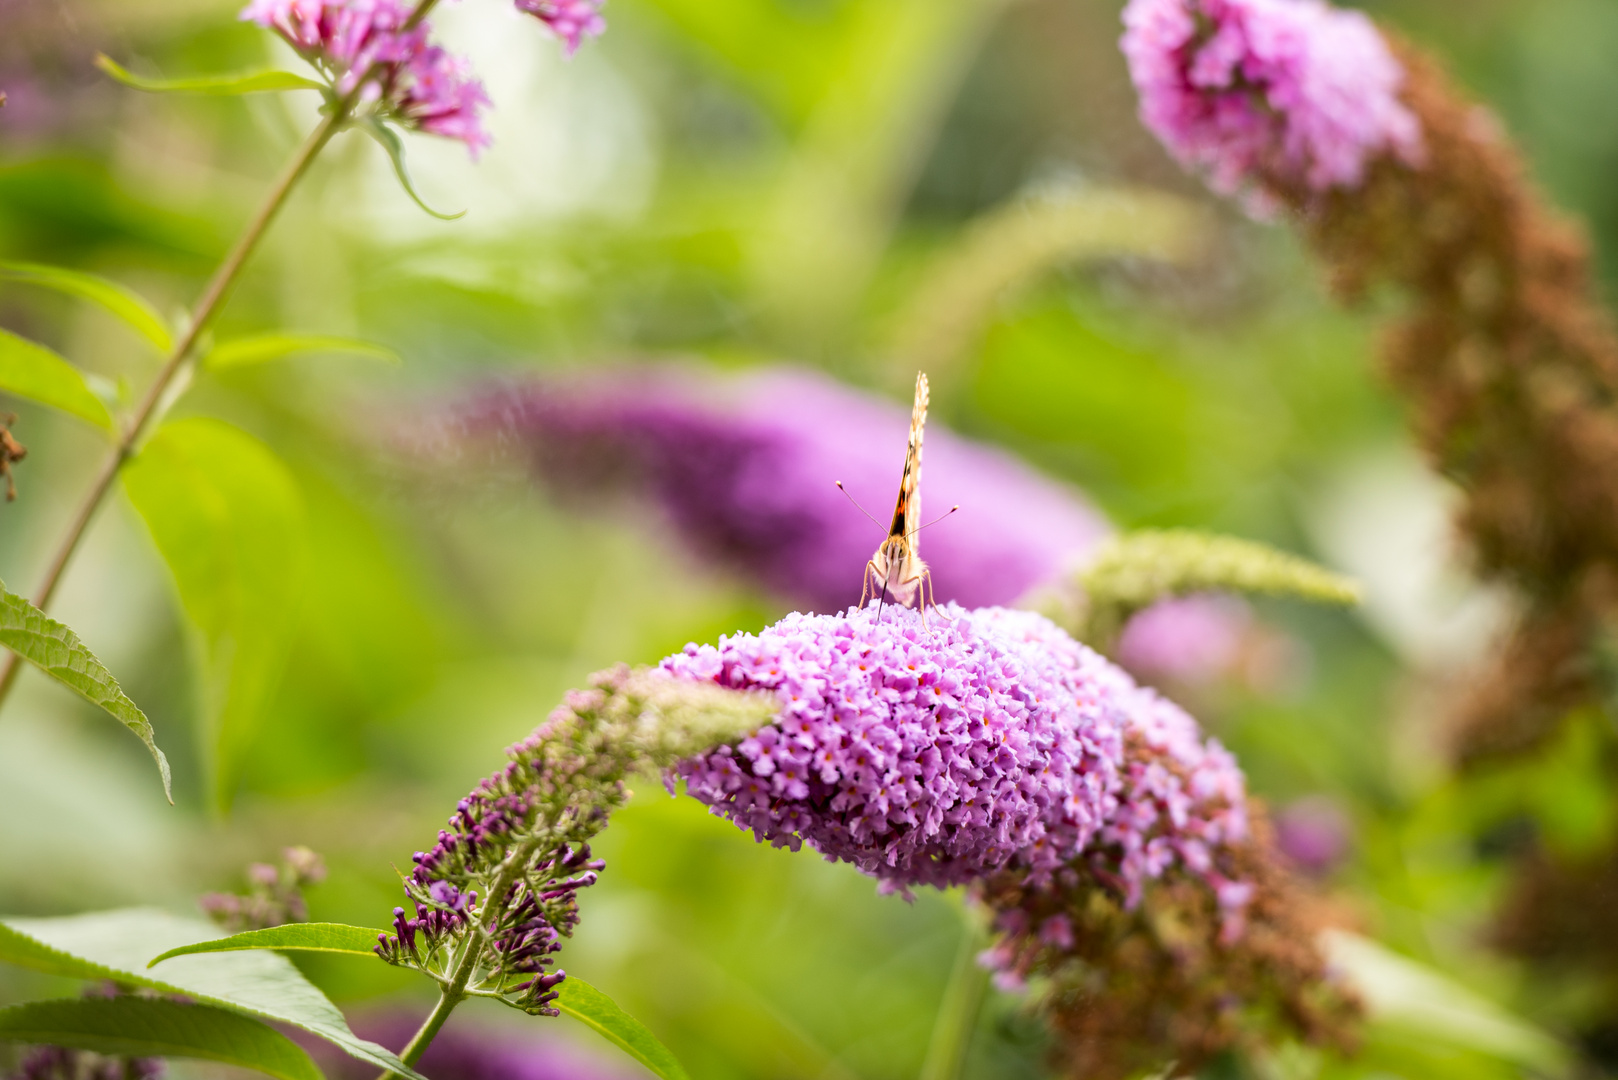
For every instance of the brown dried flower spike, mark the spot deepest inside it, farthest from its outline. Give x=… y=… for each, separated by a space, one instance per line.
x=10 y=451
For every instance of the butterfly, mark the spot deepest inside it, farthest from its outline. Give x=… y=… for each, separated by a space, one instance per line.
x=897 y=569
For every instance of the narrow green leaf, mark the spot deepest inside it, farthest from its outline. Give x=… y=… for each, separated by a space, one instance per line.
x=248 y=82
x=116 y=945
x=228 y=518
x=148 y=1027
x=390 y=142
x=1138 y=569
x=1403 y=994
x=596 y=1010
x=58 y=652
x=293 y=937
x=122 y=302
x=34 y=372
x=239 y=352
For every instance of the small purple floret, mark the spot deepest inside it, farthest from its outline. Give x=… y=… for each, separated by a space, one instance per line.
x=570 y=20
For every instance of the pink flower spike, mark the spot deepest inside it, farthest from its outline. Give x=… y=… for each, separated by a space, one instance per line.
x=570 y=20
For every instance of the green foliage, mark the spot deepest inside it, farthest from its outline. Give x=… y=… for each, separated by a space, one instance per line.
x=34 y=372
x=262 y=348
x=1136 y=570
x=117 y=945
x=58 y=652
x=1416 y=1000
x=602 y=1015
x=293 y=937
x=393 y=146
x=228 y=519
x=144 y=1027
x=247 y=82
x=126 y=304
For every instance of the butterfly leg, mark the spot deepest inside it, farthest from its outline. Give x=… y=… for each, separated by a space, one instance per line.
x=932 y=591
x=872 y=574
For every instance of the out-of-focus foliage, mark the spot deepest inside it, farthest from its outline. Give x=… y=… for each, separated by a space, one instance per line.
x=840 y=183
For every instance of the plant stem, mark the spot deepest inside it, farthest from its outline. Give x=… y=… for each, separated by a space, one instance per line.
x=958 y=1012
x=179 y=360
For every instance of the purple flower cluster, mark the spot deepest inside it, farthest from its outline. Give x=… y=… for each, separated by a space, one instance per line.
x=379 y=48
x=938 y=755
x=60 y=1063
x=1265 y=92
x=570 y=20
x=745 y=467
x=539 y=909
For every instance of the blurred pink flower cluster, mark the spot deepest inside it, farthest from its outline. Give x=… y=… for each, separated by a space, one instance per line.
x=570 y=20
x=379 y=48
x=1267 y=92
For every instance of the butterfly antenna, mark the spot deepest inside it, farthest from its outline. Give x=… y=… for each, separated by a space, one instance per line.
x=857 y=505
x=937 y=519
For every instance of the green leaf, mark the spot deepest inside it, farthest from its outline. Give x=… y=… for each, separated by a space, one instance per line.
x=390 y=142
x=239 y=352
x=147 y=1027
x=1400 y=993
x=122 y=302
x=58 y=652
x=34 y=372
x=294 y=937
x=228 y=518
x=1138 y=569
x=116 y=945
x=596 y=1010
x=250 y=82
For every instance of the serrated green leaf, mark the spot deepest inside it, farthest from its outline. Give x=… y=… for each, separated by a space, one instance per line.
x=116 y=945
x=293 y=937
x=34 y=372
x=58 y=652
x=1138 y=569
x=390 y=142
x=248 y=82
x=148 y=1027
x=119 y=300
x=228 y=519
x=1403 y=994
x=599 y=1012
x=259 y=349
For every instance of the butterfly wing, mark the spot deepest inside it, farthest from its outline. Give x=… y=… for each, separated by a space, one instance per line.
x=907 y=515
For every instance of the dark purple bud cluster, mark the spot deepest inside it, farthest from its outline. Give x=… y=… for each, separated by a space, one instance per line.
x=506 y=872
x=60 y=1063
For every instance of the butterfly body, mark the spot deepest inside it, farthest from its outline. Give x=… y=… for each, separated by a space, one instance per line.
x=897 y=571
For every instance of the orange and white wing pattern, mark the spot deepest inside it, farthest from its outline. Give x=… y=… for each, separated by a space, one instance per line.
x=907 y=514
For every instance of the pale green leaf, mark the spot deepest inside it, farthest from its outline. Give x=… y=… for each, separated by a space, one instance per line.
x=239 y=352
x=248 y=82
x=58 y=652
x=34 y=372
x=156 y=1027
x=390 y=142
x=1136 y=570
x=1400 y=993
x=293 y=937
x=116 y=945
x=122 y=302
x=228 y=519
x=599 y=1012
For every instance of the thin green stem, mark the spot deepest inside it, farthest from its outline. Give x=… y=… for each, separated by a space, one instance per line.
x=179 y=361
x=958 y=1012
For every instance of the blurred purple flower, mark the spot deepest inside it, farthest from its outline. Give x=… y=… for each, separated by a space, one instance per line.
x=60 y=1063
x=372 y=43
x=1260 y=92
x=939 y=755
x=1314 y=833
x=1191 y=639
x=471 y=1051
x=745 y=468
x=570 y=20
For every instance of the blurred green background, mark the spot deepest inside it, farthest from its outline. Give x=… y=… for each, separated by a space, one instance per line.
x=742 y=181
